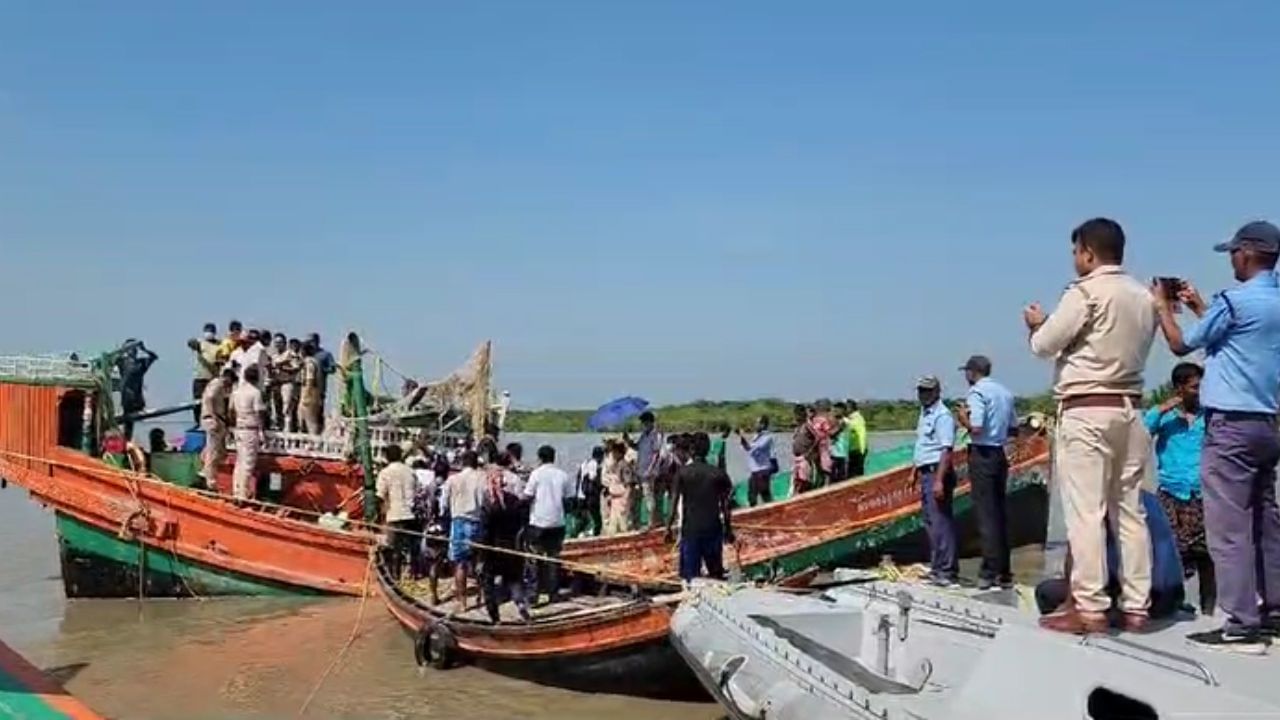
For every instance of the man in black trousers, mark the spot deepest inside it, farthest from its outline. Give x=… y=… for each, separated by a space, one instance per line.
x=990 y=418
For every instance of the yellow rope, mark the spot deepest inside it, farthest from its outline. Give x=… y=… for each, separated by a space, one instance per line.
x=355 y=630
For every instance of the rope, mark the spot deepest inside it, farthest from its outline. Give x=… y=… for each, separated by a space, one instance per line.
x=590 y=568
x=355 y=631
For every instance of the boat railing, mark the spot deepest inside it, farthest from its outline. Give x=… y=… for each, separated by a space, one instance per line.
x=333 y=445
x=57 y=368
x=1172 y=662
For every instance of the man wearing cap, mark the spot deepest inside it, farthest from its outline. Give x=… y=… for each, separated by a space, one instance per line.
x=989 y=416
x=1240 y=334
x=935 y=437
x=1099 y=337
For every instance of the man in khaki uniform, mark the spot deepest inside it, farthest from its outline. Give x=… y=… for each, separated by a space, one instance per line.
x=311 y=400
x=213 y=420
x=1100 y=336
x=251 y=420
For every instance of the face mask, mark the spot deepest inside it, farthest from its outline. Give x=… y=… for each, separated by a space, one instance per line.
x=210 y=336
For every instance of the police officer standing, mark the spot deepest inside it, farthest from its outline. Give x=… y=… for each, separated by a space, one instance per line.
x=1100 y=336
x=989 y=416
x=1240 y=334
x=936 y=474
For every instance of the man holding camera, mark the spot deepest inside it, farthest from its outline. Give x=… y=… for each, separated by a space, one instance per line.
x=1100 y=336
x=1240 y=334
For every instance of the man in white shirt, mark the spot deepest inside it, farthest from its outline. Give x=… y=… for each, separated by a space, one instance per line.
x=251 y=418
x=463 y=497
x=549 y=487
x=396 y=486
x=251 y=354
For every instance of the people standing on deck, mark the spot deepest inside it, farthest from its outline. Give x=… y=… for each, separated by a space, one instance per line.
x=824 y=429
x=1100 y=336
x=504 y=521
x=214 y=415
x=649 y=466
x=549 y=488
x=719 y=444
x=804 y=451
x=287 y=367
x=277 y=347
x=840 y=442
x=311 y=392
x=858 y=441
x=1240 y=334
x=936 y=476
x=702 y=492
x=251 y=353
x=231 y=342
x=619 y=479
x=133 y=363
x=328 y=366
x=396 y=486
x=205 y=349
x=463 y=498
x=251 y=419
x=589 y=492
x=761 y=462
x=989 y=416
x=1177 y=427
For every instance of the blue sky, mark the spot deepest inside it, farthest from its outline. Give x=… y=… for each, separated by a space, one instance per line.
x=672 y=199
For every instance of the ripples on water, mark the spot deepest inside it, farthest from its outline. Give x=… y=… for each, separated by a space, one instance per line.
x=260 y=658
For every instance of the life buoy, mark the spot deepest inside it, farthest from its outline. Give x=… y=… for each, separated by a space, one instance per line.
x=435 y=645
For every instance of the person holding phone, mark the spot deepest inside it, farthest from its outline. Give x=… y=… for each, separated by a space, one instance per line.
x=1240 y=334
x=760 y=462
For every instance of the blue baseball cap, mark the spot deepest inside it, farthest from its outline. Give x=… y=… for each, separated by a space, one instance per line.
x=1258 y=235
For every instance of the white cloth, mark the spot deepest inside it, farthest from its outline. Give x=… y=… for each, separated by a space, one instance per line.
x=549 y=486
x=426 y=480
x=247 y=403
x=463 y=494
x=255 y=355
x=586 y=471
x=396 y=486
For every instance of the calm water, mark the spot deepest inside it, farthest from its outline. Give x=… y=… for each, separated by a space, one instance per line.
x=261 y=658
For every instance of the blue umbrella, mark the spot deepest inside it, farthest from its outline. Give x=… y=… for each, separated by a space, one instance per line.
x=616 y=412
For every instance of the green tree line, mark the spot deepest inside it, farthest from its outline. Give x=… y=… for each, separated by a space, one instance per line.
x=707 y=415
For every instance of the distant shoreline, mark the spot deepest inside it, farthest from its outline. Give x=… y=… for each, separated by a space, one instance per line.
x=706 y=415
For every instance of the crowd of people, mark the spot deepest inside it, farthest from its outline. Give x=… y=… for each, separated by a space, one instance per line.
x=250 y=381
x=1213 y=512
x=503 y=524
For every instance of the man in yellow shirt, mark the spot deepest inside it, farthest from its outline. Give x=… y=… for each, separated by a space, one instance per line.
x=231 y=341
x=857 y=440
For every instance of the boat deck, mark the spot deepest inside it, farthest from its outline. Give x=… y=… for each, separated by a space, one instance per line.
x=565 y=607
x=908 y=650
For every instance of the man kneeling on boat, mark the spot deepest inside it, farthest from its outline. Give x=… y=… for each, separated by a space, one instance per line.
x=1053 y=596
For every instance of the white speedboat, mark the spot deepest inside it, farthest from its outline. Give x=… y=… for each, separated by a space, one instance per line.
x=897 y=650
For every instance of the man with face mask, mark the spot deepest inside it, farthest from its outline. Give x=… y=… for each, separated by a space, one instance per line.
x=205 y=348
x=1099 y=337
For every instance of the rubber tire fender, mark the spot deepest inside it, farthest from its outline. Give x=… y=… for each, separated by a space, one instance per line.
x=436 y=646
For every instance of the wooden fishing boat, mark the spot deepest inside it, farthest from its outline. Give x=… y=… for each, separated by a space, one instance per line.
x=836 y=524
x=26 y=692
x=124 y=533
x=612 y=639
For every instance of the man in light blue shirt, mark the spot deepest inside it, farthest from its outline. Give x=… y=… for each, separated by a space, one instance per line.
x=1240 y=334
x=935 y=437
x=989 y=416
x=760 y=462
x=1177 y=427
